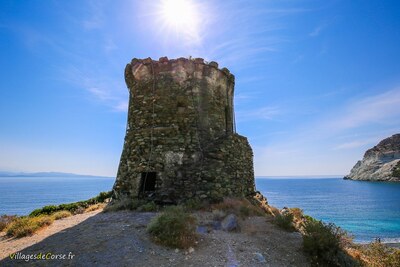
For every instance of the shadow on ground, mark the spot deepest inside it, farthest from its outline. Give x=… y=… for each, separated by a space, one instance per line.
x=120 y=239
x=111 y=239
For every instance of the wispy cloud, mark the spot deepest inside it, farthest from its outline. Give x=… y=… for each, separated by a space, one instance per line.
x=121 y=106
x=354 y=144
x=95 y=20
x=264 y=113
x=343 y=136
x=321 y=27
x=107 y=91
x=253 y=30
x=109 y=45
x=298 y=59
x=317 y=30
x=382 y=108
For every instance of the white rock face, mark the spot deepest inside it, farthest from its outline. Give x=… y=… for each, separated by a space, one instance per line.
x=378 y=162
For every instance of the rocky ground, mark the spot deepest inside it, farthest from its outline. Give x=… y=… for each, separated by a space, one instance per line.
x=120 y=239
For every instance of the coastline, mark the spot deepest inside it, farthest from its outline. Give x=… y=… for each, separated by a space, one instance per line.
x=280 y=193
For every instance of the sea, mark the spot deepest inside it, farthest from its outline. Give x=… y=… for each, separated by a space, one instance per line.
x=367 y=210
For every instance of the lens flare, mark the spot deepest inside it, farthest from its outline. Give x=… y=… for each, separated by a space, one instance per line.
x=181 y=16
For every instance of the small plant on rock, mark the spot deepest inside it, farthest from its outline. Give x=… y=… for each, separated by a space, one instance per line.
x=285 y=221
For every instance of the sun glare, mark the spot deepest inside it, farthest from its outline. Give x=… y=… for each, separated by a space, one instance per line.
x=180 y=15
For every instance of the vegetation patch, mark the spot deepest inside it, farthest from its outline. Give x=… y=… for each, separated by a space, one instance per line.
x=285 y=221
x=297 y=213
x=61 y=214
x=194 y=204
x=173 y=228
x=124 y=204
x=376 y=254
x=238 y=206
x=15 y=226
x=150 y=206
x=74 y=208
x=396 y=170
x=324 y=243
x=24 y=226
x=5 y=220
x=95 y=207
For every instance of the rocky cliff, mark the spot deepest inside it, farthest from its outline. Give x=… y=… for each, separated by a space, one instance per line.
x=380 y=163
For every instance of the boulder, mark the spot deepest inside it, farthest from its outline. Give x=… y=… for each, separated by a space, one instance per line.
x=230 y=223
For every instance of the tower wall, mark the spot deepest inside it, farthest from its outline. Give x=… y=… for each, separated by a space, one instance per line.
x=180 y=134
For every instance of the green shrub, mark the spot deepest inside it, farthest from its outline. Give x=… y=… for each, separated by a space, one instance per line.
x=309 y=218
x=324 y=244
x=103 y=196
x=193 y=204
x=24 y=226
x=150 y=206
x=5 y=220
x=61 y=214
x=76 y=207
x=124 y=204
x=244 y=211
x=173 y=228
x=46 y=210
x=285 y=221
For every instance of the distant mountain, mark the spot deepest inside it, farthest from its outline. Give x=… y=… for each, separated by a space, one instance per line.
x=45 y=174
x=380 y=163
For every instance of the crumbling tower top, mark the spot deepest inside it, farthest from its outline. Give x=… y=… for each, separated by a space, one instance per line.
x=212 y=88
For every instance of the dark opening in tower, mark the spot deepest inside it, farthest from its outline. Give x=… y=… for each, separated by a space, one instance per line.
x=148 y=182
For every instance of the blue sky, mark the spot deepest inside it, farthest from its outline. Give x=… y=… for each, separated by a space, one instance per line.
x=317 y=82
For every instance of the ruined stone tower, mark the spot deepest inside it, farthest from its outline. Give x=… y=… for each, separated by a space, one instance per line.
x=180 y=139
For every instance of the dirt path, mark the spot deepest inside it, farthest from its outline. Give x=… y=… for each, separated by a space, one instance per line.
x=120 y=239
x=12 y=245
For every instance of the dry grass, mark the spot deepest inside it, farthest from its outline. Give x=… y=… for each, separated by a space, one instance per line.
x=297 y=213
x=377 y=255
x=95 y=207
x=5 y=220
x=240 y=207
x=123 y=204
x=61 y=214
x=218 y=214
x=24 y=226
x=274 y=211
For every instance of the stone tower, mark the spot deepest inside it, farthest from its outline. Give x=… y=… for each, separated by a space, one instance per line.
x=180 y=139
